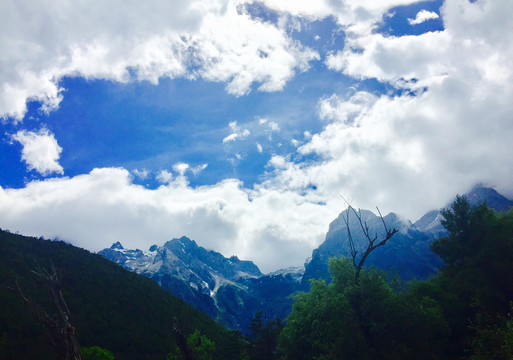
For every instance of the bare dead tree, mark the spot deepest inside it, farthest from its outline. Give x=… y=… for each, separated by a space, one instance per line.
x=372 y=241
x=59 y=327
x=181 y=340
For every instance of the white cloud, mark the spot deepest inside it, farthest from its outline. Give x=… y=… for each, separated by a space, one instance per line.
x=410 y=153
x=395 y=59
x=181 y=168
x=95 y=39
x=274 y=127
x=353 y=15
x=270 y=127
x=164 y=177
x=240 y=51
x=100 y=40
x=422 y=16
x=474 y=46
x=97 y=209
x=141 y=174
x=196 y=170
x=237 y=133
x=231 y=137
x=40 y=151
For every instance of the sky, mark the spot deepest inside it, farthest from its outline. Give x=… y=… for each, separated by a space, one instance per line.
x=240 y=123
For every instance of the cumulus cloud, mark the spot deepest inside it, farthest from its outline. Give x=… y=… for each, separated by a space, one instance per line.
x=451 y=130
x=355 y=16
x=422 y=16
x=104 y=206
x=216 y=41
x=40 y=151
x=395 y=59
x=254 y=52
x=471 y=45
x=346 y=10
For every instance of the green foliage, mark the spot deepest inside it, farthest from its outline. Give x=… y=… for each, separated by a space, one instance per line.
x=363 y=320
x=96 y=353
x=201 y=348
x=111 y=307
x=492 y=339
x=476 y=284
x=461 y=313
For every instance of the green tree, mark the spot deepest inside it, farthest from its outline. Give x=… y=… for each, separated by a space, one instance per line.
x=476 y=281
x=263 y=339
x=366 y=319
x=96 y=353
x=199 y=346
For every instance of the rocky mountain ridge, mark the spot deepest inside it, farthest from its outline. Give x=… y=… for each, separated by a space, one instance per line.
x=229 y=290
x=232 y=290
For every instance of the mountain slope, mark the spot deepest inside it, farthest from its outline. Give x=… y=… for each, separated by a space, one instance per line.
x=185 y=269
x=229 y=290
x=111 y=307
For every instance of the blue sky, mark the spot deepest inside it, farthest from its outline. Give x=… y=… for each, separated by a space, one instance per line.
x=239 y=123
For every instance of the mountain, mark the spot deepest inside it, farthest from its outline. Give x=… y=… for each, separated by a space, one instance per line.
x=430 y=222
x=111 y=307
x=229 y=290
x=406 y=254
x=492 y=198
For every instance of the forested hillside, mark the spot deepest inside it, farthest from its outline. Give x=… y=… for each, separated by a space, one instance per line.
x=120 y=311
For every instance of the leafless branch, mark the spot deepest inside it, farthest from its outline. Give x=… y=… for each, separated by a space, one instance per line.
x=59 y=327
x=371 y=241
